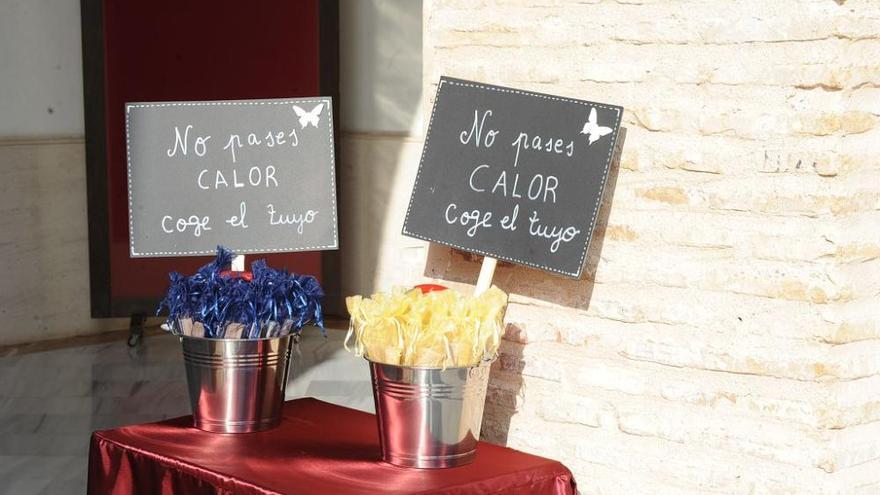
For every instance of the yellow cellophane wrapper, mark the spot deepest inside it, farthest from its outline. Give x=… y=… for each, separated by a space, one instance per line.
x=437 y=329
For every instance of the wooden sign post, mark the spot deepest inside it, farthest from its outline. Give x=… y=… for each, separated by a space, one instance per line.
x=513 y=175
x=487 y=272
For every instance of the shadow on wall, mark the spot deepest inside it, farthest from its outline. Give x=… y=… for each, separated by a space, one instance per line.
x=506 y=389
x=505 y=393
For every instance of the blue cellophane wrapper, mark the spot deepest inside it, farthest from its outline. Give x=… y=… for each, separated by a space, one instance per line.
x=212 y=304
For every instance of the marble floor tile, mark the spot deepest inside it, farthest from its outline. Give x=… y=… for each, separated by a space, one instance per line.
x=51 y=401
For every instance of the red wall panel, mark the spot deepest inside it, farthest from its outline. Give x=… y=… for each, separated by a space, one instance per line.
x=194 y=50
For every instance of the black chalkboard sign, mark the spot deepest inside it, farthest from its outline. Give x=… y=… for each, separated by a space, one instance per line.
x=513 y=174
x=256 y=176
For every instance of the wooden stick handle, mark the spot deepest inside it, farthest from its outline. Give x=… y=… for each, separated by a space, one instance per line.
x=237 y=264
x=487 y=271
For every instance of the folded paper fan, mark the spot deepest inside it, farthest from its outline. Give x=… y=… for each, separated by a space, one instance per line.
x=215 y=302
x=427 y=326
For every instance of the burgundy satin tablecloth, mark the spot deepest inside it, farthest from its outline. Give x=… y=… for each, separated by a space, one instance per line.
x=319 y=448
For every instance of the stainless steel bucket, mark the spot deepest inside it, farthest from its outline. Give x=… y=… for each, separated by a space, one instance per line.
x=236 y=385
x=429 y=417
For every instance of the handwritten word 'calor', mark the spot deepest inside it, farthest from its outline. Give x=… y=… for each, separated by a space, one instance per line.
x=255 y=177
x=541 y=188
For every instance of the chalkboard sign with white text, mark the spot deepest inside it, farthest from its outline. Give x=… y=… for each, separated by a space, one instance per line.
x=512 y=174
x=256 y=176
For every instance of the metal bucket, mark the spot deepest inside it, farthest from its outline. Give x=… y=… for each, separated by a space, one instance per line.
x=429 y=417
x=236 y=385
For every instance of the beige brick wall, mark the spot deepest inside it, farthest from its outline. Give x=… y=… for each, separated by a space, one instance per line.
x=726 y=338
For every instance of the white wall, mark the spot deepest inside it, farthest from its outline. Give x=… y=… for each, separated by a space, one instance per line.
x=381 y=86
x=40 y=68
x=44 y=292
x=381 y=65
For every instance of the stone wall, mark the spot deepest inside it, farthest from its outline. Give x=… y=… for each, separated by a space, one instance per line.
x=44 y=290
x=726 y=337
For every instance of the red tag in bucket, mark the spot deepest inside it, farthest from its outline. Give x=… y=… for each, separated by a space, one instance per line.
x=425 y=288
x=245 y=275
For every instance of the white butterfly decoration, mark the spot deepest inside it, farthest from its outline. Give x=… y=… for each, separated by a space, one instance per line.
x=306 y=118
x=593 y=129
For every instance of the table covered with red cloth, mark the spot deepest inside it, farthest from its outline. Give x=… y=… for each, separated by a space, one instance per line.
x=319 y=448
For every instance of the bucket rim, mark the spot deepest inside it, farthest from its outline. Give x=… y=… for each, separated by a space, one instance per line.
x=482 y=362
x=295 y=335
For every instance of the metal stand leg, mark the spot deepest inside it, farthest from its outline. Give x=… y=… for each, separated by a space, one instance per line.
x=136 y=329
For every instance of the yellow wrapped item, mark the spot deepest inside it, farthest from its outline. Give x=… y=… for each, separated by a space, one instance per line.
x=442 y=329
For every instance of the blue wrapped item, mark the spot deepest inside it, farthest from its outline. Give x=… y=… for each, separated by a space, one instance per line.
x=216 y=303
